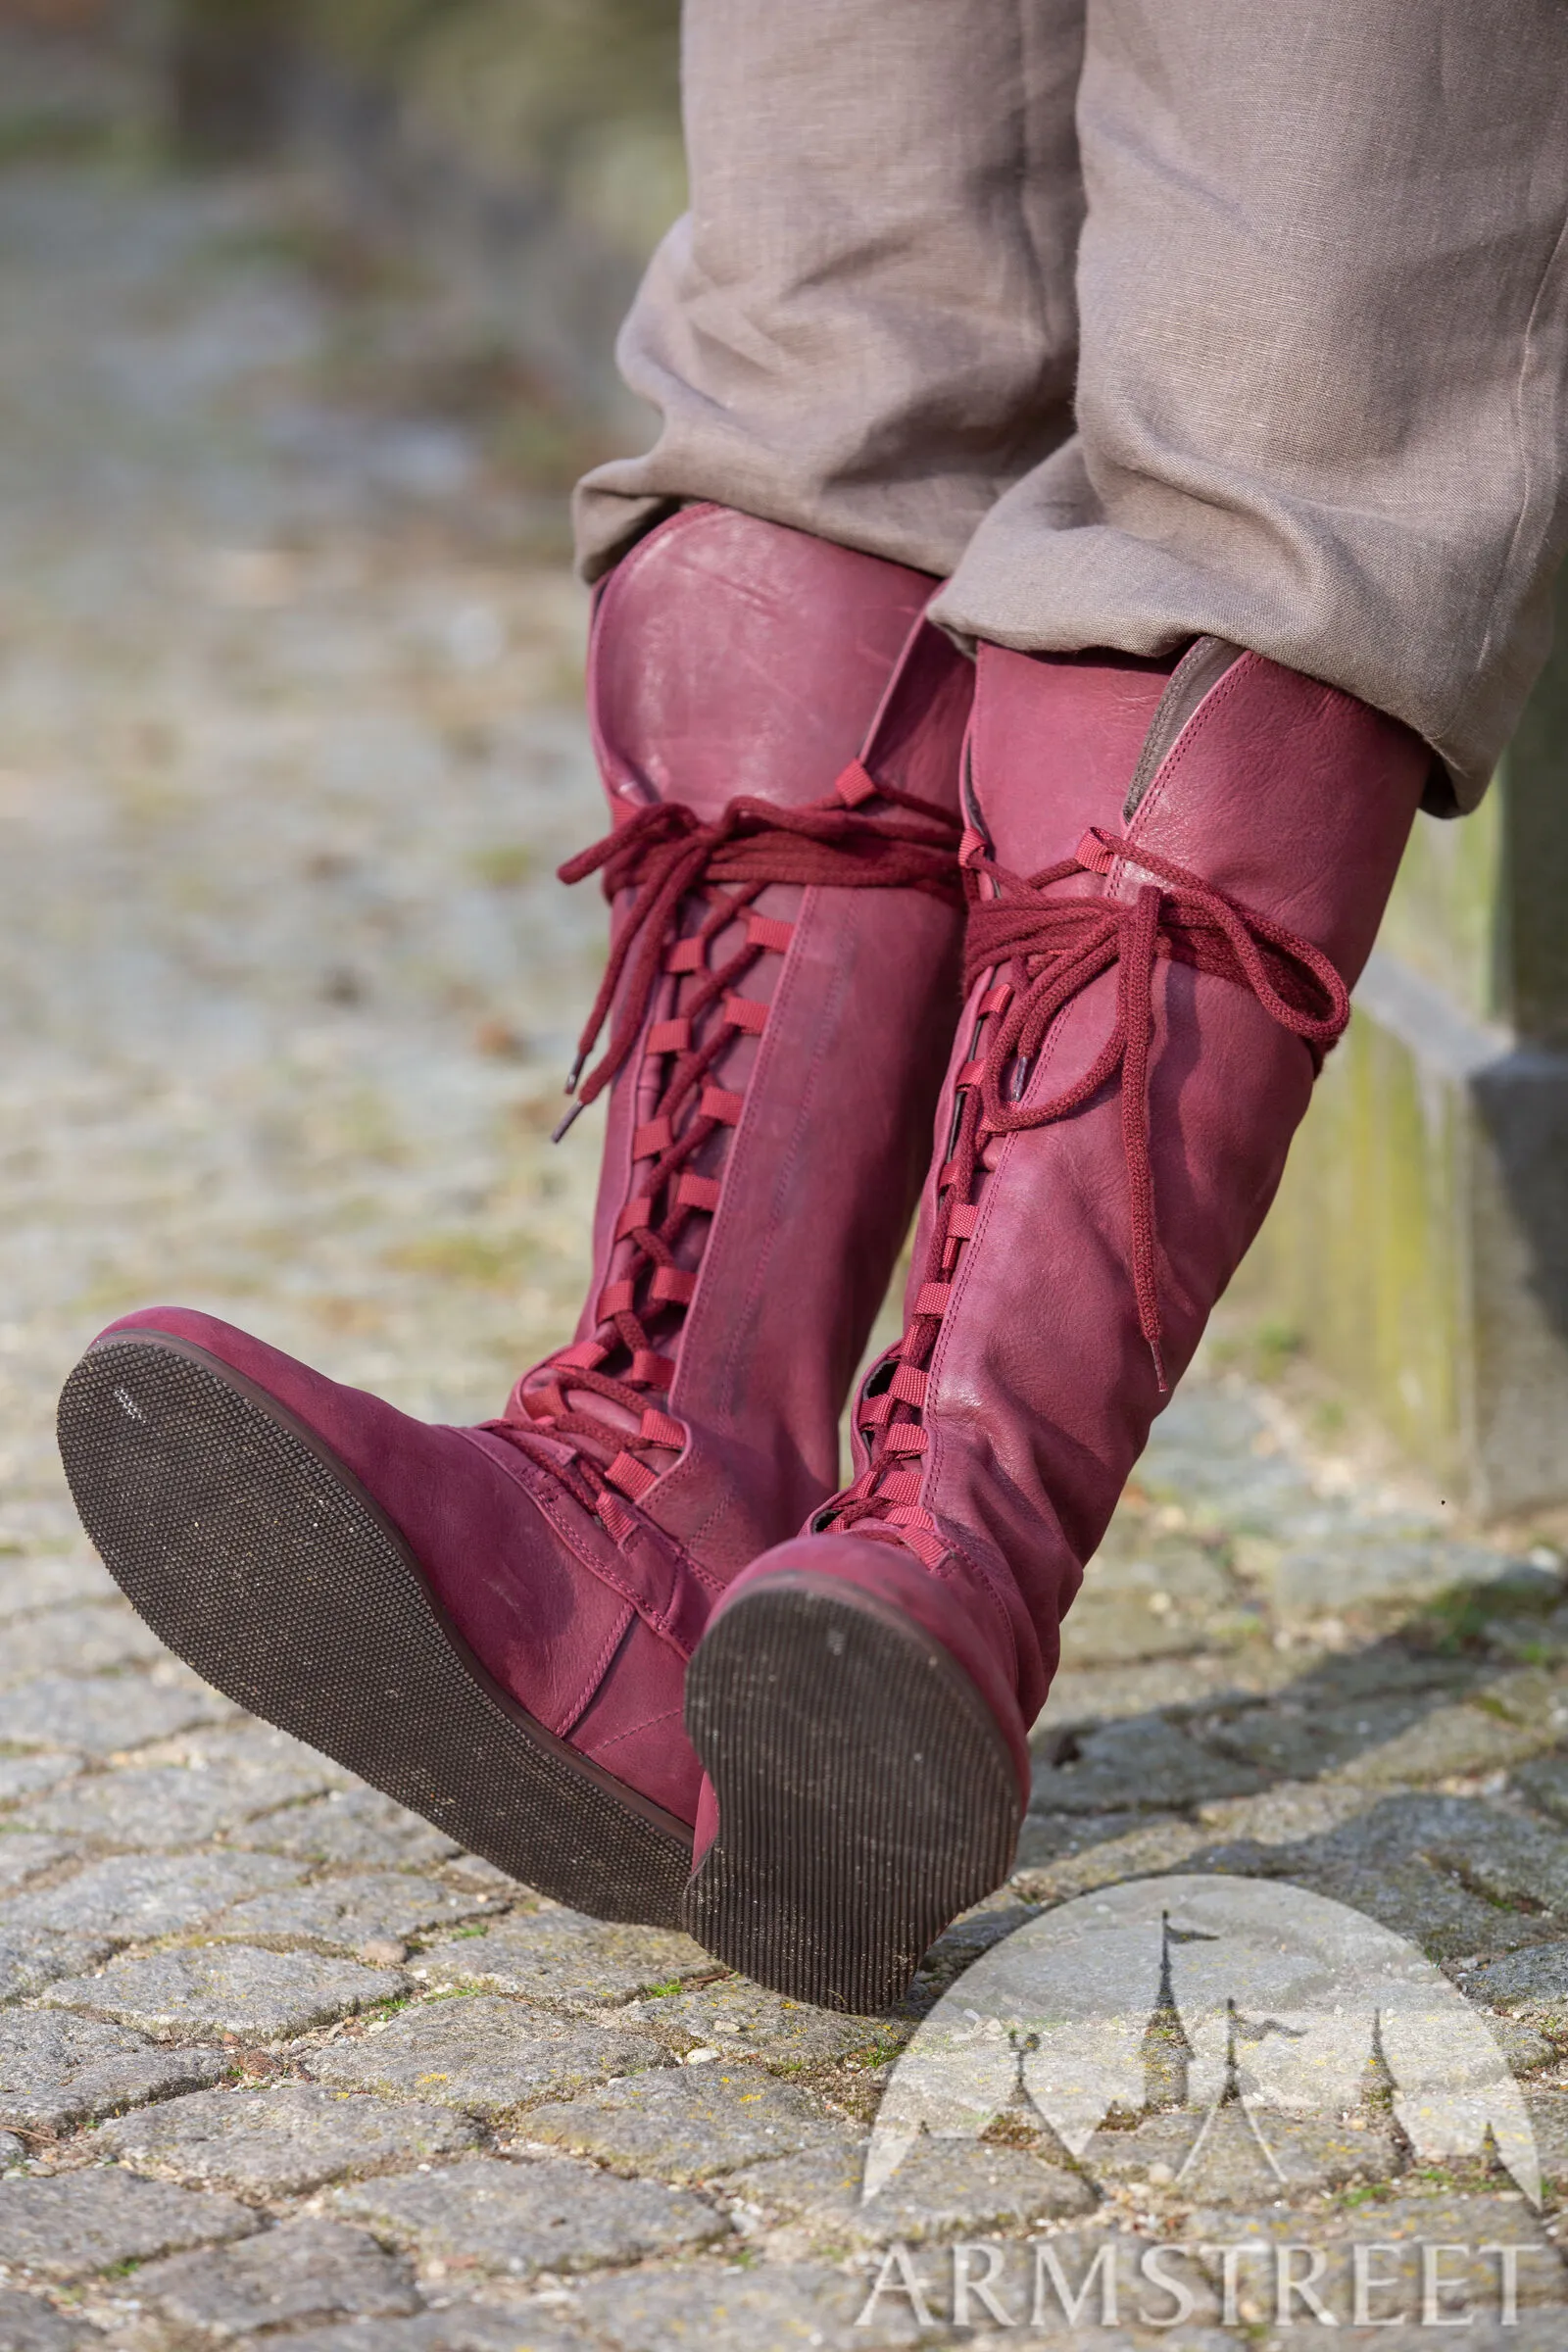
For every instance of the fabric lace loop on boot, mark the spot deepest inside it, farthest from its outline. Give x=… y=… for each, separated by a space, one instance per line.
x=1054 y=947
x=672 y=864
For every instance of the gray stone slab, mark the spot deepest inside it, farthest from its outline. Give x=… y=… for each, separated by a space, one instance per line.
x=31 y=1958
x=24 y=1776
x=78 y=2222
x=1537 y=1977
x=774 y=2307
x=23 y=1855
x=44 y=1580
x=75 y=1640
x=1314 y=2154
x=226 y=1988
x=1050 y=1868
x=943 y=2188
x=740 y=2020
x=308 y=2269
x=573 y=1962
x=687 y=2123
x=283 y=2141
x=57 y=2070
x=1405 y=2225
x=27 y=2323
x=134 y=1897
x=357 y=1826
x=473 y=2326
x=1083 y=1696
x=542 y=2213
x=104 y=1713
x=343 y=1915
x=1545 y=1781
x=158 y=1806
x=277 y=1769
x=1460 y=1742
x=1144 y=1765
x=483 y=2053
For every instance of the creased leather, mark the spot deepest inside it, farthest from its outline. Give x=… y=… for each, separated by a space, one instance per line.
x=1289 y=796
x=729 y=657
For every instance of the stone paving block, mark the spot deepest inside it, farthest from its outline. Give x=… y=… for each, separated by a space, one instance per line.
x=1545 y=1781
x=24 y=1776
x=1449 y=1743
x=1288 y=1813
x=41 y=1582
x=1049 y=1868
x=1537 y=1977
x=31 y=1959
x=1468 y=2276
x=78 y=2222
x=228 y=1988
x=356 y=1827
x=545 y=2213
x=159 y=1806
x=133 y=1897
x=743 y=2021
x=1082 y=1697
x=307 y=2269
x=104 y=1713
x=58 y=2070
x=341 y=1915
x=771 y=2308
x=23 y=1855
x=12 y=2151
x=688 y=2123
x=572 y=1962
x=943 y=2188
x=75 y=1640
x=1314 y=2154
x=283 y=2141
x=481 y=2053
x=27 y=2323
x=1145 y=1765
x=278 y=1769
x=467 y=2326
x=1298 y=1737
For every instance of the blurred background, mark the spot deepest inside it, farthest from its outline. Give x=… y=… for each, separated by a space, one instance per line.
x=307 y=314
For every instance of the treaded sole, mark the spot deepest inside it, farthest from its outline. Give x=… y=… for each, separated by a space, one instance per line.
x=865 y=1797
x=259 y=1558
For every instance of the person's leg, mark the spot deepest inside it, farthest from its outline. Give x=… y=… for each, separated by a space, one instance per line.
x=1322 y=406
x=1324 y=323
x=864 y=326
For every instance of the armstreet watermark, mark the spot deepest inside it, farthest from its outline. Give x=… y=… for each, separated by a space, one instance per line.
x=1219 y=2045
x=1241 y=2282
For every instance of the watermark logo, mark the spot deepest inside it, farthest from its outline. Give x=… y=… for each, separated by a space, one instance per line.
x=1243 y=2003
x=1199 y=2036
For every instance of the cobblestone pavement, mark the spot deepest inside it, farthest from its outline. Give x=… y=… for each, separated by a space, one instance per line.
x=288 y=748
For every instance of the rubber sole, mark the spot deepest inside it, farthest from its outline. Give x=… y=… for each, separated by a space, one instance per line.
x=865 y=1797
x=256 y=1555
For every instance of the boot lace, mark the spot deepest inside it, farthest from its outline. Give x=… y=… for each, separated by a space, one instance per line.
x=1053 y=947
x=683 y=884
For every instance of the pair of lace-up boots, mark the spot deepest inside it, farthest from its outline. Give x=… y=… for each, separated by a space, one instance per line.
x=1051 y=946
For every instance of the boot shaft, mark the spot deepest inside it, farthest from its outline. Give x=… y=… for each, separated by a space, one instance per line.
x=735 y=659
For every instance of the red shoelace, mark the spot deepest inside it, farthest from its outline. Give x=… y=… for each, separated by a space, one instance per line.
x=1054 y=948
x=689 y=883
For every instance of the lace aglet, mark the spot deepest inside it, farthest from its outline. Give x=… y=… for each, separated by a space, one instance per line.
x=573 y=1074
x=562 y=1124
x=1158 y=1354
x=1020 y=1081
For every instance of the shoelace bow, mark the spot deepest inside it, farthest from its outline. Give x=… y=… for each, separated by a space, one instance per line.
x=670 y=861
x=1054 y=947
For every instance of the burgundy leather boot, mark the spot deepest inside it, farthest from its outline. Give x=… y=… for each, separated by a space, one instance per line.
x=1174 y=879
x=492 y=1624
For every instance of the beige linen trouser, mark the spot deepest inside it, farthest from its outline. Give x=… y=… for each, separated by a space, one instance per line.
x=1140 y=318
